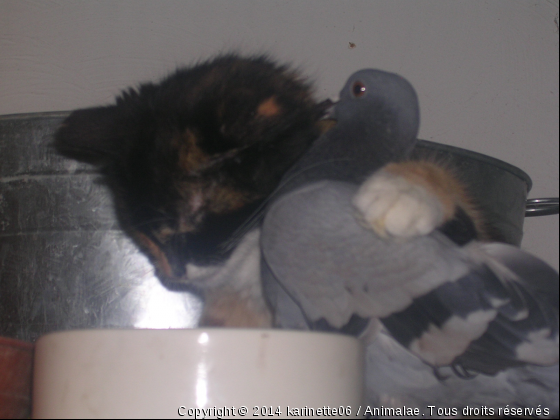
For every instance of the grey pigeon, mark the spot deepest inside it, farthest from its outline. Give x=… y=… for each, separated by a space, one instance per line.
x=447 y=324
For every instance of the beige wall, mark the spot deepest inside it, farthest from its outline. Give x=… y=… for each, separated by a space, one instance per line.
x=486 y=71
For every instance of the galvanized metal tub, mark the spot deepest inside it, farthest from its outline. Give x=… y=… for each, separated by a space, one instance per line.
x=64 y=262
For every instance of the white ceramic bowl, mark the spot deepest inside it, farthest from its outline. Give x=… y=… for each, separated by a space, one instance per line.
x=170 y=373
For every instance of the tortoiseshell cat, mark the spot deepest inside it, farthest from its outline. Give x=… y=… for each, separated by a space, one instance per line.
x=191 y=160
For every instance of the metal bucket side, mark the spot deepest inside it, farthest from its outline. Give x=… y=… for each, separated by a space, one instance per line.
x=64 y=262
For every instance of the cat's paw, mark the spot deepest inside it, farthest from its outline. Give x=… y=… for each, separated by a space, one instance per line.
x=394 y=205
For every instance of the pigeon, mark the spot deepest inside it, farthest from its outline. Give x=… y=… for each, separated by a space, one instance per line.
x=448 y=320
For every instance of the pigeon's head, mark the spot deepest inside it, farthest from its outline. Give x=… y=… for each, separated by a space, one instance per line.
x=381 y=104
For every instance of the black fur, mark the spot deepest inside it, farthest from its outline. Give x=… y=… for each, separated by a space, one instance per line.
x=461 y=229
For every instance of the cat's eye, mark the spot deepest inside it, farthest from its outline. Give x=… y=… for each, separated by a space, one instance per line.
x=358 y=89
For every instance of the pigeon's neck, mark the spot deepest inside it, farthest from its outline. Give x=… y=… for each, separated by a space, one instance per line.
x=359 y=144
x=338 y=156
x=365 y=150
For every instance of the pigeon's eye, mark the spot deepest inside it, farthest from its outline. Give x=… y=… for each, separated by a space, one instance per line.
x=358 y=89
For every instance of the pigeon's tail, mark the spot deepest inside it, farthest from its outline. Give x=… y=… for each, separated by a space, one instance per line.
x=525 y=329
x=502 y=313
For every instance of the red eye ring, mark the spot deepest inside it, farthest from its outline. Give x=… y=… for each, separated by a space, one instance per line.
x=358 y=89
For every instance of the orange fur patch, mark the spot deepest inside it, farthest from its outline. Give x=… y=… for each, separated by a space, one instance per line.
x=268 y=108
x=325 y=125
x=163 y=234
x=229 y=309
x=224 y=199
x=155 y=251
x=442 y=183
x=191 y=157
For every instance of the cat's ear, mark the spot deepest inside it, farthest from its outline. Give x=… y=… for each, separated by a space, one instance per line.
x=89 y=135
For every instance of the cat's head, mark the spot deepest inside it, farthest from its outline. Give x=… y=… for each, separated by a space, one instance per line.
x=188 y=160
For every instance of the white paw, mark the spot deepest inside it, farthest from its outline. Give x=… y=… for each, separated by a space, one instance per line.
x=393 y=206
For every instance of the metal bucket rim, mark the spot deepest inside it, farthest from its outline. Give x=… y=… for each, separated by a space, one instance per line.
x=514 y=170
x=34 y=115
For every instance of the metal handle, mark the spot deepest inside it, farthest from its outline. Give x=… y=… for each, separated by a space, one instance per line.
x=541 y=207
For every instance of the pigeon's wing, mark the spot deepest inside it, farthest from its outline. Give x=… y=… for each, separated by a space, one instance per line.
x=525 y=329
x=490 y=319
x=469 y=307
x=334 y=269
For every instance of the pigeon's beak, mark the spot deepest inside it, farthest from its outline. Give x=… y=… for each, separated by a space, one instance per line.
x=326 y=110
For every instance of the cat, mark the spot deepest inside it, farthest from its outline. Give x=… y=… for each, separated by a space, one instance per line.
x=191 y=160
